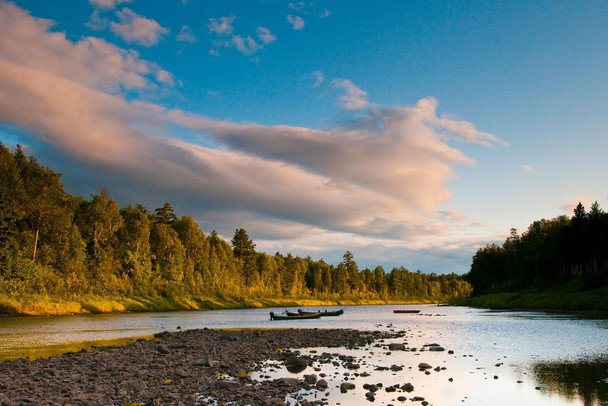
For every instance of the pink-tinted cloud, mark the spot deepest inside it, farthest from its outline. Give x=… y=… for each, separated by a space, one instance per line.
x=222 y=25
x=107 y=4
x=297 y=22
x=265 y=35
x=353 y=97
x=134 y=28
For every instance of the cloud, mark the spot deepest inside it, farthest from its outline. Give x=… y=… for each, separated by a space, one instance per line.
x=297 y=23
x=265 y=35
x=134 y=28
x=377 y=181
x=107 y=4
x=221 y=26
x=246 y=45
x=28 y=42
x=186 y=35
x=568 y=204
x=324 y=14
x=96 y=22
x=353 y=98
x=319 y=78
x=527 y=168
x=214 y=52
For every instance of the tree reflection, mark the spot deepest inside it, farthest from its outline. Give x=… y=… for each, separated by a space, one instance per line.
x=584 y=379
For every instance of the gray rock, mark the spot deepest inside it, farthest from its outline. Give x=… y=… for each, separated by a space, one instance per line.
x=407 y=387
x=436 y=348
x=163 y=349
x=396 y=347
x=310 y=379
x=290 y=382
x=296 y=364
x=226 y=384
x=132 y=386
x=344 y=386
x=206 y=361
x=423 y=366
x=321 y=384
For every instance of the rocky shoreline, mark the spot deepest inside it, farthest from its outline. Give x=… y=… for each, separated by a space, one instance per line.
x=194 y=367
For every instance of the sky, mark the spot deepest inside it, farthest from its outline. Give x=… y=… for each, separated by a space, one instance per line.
x=409 y=133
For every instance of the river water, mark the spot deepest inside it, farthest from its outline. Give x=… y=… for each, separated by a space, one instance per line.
x=499 y=358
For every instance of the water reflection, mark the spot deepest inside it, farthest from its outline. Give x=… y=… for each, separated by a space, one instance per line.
x=583 y=379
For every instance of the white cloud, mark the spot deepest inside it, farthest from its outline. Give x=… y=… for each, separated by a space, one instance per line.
x=107 y=4
x=353 y=97
x=527 y=168
x=319 y=78
x=265 y=35
x=214 y=52
x=221 y=26
x=297 y=23
x=186 y=35
x=134 y=28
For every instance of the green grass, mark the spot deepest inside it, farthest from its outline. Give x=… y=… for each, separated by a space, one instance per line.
x=565 y=298
x=37 y=305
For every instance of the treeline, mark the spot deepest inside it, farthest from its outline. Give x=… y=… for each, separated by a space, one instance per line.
x=550 y=253
x=53 y=243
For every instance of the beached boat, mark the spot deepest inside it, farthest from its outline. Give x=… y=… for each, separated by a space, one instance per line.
x=324 y=313
x=406 y=311
x=298 y=317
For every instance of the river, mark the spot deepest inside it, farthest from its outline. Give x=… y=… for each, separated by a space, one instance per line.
x=499 y=358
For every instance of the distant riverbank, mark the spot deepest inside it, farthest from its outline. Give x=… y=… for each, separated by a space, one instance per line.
x=40 y=305
x=592 y=300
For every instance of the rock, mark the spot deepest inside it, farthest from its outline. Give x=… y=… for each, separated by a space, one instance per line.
x=396 y=347
x=206 y=362
x=401 y=398
x=132 y=386
x=310 y=379
x=295 y=364
x=163 y=334
x=396 y=368
x=407 y=387
x=4 y=400
x=289 y=382
x=345 y=386
x=436 y=348
x=163 y=349
x=417 y=399
x=352 y=365
x=321 y=384
x=226 y=384
x=424 y=366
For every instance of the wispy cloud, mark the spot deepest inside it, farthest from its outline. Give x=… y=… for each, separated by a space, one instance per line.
x=221 y=26
x=246 y=45
x=324 y=14
x=353 y=97
x=186 y=35
x=97 y=22
x=318 y=77
x=265 y=35
x=134 y=28
x=527 y=168
x=297 y=23
x=107 y=4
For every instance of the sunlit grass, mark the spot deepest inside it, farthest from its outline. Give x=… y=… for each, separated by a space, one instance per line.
x=37 y=305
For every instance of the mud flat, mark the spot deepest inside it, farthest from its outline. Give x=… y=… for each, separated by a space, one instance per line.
x=201 y=367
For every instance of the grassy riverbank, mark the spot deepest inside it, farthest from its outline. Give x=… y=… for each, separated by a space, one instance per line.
x=41 y=305
x=558 y=299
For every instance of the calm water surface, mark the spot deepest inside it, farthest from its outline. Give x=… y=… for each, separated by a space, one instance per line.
x=500 y=358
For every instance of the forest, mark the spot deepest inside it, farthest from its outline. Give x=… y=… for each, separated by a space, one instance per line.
x=550 y=253
x=63 y=247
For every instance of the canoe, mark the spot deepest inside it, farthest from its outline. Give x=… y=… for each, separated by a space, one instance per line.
x=406 y=311
x=298 y=317
x=323 y=314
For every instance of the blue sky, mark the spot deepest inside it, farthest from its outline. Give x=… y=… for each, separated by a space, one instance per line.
x=410 y=133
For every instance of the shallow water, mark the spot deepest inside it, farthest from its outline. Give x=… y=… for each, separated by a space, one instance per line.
x=557 y=359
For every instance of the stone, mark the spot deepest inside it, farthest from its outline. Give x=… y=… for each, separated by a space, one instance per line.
x=396 y=347
x=407 y=387
x=226 y=384
x=206 y=361
x=132 y=386
x=423 y=366
x=295 y=364
x=310 y=379
x=321 y=384
x=345 y=386
x=163 y=349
